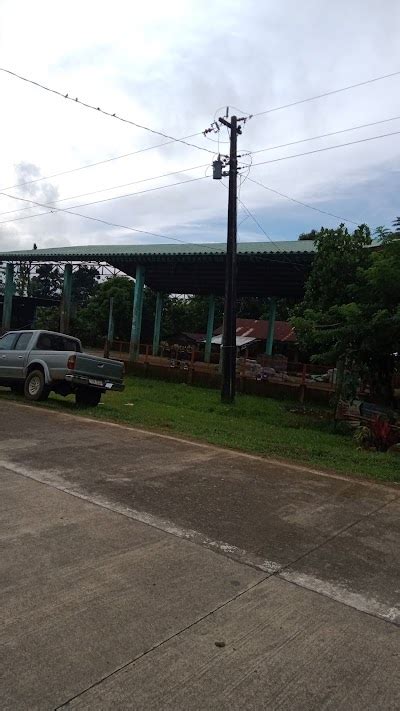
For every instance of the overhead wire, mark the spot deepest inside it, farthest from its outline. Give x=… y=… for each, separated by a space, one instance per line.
x=304 y=204
x=115 y=187
x=86 y=204
x=276 y=244
x=109 y=223
x=113 y=224
x=299 y=267
x=326 y=148
x=321 y=135
x=325 y=93
x=75 y=100
x=90 y=165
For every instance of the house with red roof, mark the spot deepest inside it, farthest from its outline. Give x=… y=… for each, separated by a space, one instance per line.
x=253 y=333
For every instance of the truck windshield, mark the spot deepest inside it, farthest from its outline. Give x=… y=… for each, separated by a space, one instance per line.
x=56 y=342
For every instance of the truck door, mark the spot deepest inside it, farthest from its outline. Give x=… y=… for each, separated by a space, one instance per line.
x=17 y=356
x=6 y=348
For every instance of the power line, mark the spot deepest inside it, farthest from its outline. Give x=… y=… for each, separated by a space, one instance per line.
x=113 y=187
x=92 y=165
x=101 y=111
x=250 y=214
x=327 y=148
x=106 y=222
x=259 y=225
x=322 y=135
x=86 y=204
x=166 y=143
x=326 y=93
x=304 y=204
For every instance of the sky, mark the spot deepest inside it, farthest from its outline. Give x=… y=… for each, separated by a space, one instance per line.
x=174 y=67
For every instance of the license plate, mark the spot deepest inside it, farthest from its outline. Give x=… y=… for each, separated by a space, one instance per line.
x=109 y=386
x=93 y=381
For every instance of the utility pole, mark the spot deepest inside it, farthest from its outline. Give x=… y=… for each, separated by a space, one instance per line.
x=229 y=338
x=228 y=344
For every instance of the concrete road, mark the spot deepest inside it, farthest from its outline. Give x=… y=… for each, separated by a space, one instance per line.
x=126 y=556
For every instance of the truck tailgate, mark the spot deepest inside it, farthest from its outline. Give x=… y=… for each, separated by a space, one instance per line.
x=99 y=368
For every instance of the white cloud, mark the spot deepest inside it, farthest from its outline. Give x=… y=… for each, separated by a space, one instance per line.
x=170 y=66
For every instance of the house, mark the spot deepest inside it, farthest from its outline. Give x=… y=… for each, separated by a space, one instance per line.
x=252 y=333
x=186 y=339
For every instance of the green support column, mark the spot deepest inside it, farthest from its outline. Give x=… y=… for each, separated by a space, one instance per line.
x=137 y=313
x=271 y=327
x=210 y=328
x=221 y=350
x=157 y=324
x=8 y=297
x=65 y=314
x=110 y=332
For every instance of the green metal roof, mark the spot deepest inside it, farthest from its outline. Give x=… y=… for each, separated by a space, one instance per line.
x=104 y=252
x=264 y=268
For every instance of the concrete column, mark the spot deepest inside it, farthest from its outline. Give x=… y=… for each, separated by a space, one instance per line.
x=110 y=331
x=65 y=314
x=221 y=350
x=271 y=326
x=8 y=297
x=157 y=324
x=137 y=313
x=210 y=328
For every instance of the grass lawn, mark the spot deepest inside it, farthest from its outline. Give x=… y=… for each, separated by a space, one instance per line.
x=257 y=425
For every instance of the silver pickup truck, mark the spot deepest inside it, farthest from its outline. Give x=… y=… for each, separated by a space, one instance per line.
x=34 y=363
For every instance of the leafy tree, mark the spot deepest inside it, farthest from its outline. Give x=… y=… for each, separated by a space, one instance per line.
x=350 y=312
x=47 y=281
x=84 y=281
x=22 y=278
x=2 y=279
x=252 y=307
x=382 y=233
x=91 y=322
x=304 y=236
x=48 y=317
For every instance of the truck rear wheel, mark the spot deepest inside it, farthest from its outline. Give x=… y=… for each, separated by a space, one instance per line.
x=87 y=397
x=35 y=387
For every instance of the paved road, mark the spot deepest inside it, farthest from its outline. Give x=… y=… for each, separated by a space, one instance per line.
x=126 y=557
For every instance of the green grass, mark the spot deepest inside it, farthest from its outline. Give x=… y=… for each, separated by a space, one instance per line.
x=257 y=425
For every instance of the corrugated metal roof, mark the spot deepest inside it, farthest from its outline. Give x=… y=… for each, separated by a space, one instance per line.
x=240 y=341
x=103 y=252
x=258 y=328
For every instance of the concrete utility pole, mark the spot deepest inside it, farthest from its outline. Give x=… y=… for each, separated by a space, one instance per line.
x=229 y=339
x=228 y=345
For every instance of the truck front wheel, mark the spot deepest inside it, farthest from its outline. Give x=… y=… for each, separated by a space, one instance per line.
x=86 y=397
x=35 y=387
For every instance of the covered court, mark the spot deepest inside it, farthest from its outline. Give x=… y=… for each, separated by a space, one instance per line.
x=273 y=270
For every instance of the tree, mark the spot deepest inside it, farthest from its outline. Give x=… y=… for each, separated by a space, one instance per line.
x=333 y=279
x=304 y=236
x=47 y=282
x=22 y=278
x=252 y=307
x=91 y=322
x=84 y=281
x=350 y=312
x=382 y=233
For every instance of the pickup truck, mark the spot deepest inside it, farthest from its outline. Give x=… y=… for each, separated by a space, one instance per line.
x=34 y=363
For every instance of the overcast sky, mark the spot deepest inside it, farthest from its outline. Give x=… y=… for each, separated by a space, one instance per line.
x=172 y=66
